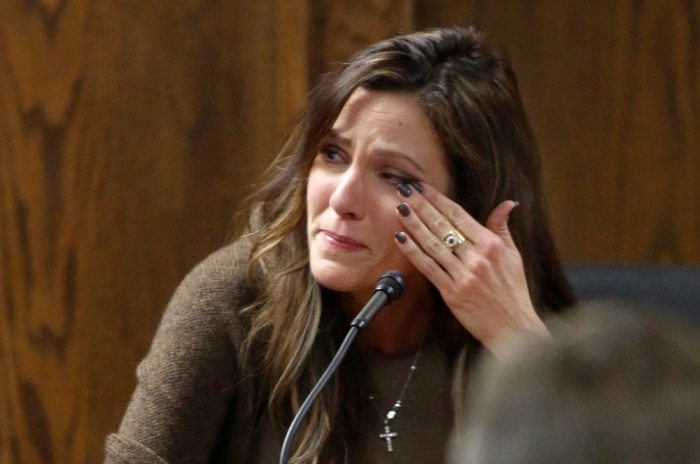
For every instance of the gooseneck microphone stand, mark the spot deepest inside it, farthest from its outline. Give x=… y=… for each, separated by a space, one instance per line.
x=388 y=288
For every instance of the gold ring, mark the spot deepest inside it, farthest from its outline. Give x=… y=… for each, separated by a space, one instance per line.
x=453 y=240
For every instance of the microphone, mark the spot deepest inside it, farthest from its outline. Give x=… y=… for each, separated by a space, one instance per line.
x=388 y=288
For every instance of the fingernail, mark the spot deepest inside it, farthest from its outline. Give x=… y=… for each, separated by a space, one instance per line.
x=417 y=185
x=403 y=209
x=404 y=190
x=400 y=236
x=517 y=203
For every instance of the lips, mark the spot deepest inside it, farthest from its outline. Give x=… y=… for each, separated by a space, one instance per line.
x=341 y=241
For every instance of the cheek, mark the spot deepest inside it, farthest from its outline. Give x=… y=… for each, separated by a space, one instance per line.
x=387 y=223
x=317 y=194
x=390 y=212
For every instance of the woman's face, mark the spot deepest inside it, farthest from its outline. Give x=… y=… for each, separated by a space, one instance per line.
x=379 y=140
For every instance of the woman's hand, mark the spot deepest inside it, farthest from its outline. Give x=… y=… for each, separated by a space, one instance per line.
x=483 y=282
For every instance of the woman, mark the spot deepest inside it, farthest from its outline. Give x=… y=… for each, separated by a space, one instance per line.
x=409 y=158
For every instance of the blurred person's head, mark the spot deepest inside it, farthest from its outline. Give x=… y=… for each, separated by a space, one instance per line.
x=610 y=387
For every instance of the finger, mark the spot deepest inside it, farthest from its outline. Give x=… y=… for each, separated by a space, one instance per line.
x=430 y=243
x=453 y=213
x=424 y=263
x=431 y=216
x=497 y=222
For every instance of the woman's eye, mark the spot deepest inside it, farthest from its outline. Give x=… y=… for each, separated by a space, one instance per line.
x=331 y=154
x=396 y=178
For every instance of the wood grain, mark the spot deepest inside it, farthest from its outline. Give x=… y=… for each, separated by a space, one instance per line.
x=613 y=91
x=341 y=28
x=129 y=133
x=291 y=62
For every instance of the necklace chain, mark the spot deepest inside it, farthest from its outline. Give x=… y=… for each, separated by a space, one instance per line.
x=388 y=435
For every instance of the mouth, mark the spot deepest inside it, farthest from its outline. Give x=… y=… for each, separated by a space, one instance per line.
x=341 y=241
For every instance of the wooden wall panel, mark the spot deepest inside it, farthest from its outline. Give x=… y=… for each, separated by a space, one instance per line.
x=613 y=91
x=129 y=132
x=339 y=28
x=291 y=61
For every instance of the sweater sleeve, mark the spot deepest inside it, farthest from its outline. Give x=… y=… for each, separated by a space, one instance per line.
x=189 y=379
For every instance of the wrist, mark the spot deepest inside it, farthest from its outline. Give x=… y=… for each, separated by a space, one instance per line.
x=502 y=342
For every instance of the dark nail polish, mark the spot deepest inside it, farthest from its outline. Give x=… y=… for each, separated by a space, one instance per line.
x=403 y=209
x=417 y=185
x=404 y=190
x=400 y=236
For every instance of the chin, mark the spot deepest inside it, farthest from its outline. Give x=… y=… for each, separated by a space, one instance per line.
x=343 y=279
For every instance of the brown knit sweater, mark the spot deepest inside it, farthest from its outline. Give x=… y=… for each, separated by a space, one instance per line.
x=192 y=406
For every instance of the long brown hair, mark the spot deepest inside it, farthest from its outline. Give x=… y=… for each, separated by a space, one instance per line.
x=469 y=92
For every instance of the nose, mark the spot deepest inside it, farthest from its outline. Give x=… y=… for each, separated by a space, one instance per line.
x=348 y=197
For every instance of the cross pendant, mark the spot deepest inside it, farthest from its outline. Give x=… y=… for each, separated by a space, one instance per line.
x=388 y=435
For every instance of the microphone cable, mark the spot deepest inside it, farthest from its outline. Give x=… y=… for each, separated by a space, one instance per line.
x=388 y=288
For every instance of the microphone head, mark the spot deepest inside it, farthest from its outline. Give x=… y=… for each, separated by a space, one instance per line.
x=392 y=284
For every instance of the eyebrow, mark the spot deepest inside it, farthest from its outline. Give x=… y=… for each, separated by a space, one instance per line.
x=381 y=152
